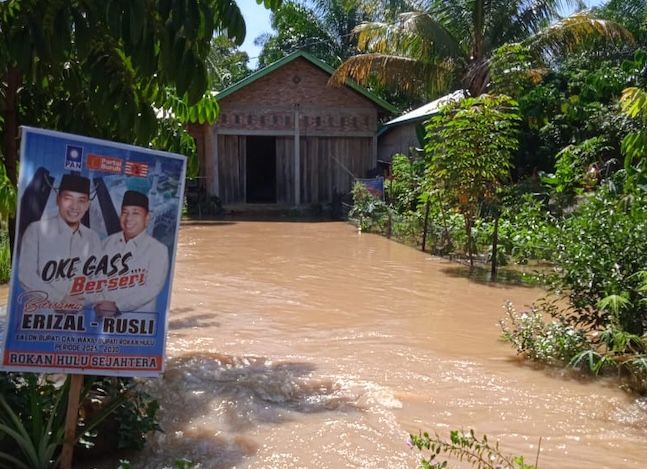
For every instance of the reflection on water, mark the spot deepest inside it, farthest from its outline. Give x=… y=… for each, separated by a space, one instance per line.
x=311 y=345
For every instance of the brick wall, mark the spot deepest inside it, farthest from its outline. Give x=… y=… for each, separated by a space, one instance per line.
x=269 y=103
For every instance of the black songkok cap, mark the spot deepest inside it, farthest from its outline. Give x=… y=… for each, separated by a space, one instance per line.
x=74 y=183
x=135 y=198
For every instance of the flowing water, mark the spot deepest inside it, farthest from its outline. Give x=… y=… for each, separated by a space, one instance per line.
x=311 y=345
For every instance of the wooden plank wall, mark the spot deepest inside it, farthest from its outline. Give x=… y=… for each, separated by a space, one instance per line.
x=285 y=170
x=322 y=174
x=231 y=168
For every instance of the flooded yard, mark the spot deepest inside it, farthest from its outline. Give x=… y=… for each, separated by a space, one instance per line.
x=312 y=345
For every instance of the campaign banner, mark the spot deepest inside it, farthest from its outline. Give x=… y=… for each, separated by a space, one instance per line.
x=96 y=233
x=375 y=186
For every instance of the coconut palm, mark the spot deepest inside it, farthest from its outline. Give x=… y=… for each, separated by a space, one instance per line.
x=449 y=43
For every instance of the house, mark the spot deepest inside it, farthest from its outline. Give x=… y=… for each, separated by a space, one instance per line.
x=399 y=135
x=285 y=137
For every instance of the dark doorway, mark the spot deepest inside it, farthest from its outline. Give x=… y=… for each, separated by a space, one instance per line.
x=261 y=170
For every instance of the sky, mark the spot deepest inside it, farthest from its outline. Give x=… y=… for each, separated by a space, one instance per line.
x=257 y=20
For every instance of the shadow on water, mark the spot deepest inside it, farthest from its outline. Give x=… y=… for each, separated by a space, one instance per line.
x=482 y=276
x=196 y=320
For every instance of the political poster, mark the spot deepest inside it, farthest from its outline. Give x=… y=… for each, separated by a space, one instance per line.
x=375 y=186
x=97 y=228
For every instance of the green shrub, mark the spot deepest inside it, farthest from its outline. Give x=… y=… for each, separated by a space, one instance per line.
x=370 y=212
x=599 y=250
x=551 y=342
x=32 y=413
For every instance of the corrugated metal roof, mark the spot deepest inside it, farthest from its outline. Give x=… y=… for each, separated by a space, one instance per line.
x=426 y=110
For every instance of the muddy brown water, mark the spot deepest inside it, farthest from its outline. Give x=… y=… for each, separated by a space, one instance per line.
x=312 y=345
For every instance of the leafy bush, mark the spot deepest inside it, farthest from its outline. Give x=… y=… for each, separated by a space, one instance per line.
x=370 y=212
x=527 y=229
x=32 y=414
x=551 y=342
x=403 y=189
x=600 y=249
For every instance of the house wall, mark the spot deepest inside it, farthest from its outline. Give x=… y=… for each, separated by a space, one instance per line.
x=335 y=126
x=397 y=140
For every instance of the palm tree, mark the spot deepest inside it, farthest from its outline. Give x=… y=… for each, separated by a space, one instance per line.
x=450 y=43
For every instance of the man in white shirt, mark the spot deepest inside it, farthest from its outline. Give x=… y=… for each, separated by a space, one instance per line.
x=145 y=256
x=53 y=250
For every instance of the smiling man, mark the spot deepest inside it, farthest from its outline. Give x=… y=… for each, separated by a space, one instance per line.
x=53 y=250
x=147 y=261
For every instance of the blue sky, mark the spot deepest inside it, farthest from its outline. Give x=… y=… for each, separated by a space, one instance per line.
x=257 y=19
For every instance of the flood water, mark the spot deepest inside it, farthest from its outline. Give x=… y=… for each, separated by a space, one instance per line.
x=312 y=345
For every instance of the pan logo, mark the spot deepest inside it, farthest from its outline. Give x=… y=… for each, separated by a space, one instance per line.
x=73 y=157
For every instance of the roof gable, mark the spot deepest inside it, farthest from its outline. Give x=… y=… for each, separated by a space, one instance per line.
x=313 y=60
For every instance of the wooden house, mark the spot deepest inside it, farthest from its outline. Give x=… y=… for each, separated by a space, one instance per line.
x=285 y=137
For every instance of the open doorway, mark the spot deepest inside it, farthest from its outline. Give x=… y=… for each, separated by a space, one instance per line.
x=261 y=170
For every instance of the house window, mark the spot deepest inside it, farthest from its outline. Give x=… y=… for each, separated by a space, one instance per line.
x=223 y=118
x=262 y=120
x=318 y=121
x=237 y=119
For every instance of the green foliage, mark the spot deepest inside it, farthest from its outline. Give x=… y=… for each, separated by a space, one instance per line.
x=526 y=229
x=576 y=168
x=324 y=30
x=634 y=145
x=443 y=45
x=135 y=417
x=5 y=257
x=7 y=196
x=468 y=152
x=464 y=446
x=226 y=64
x=553 y=342
x=404 y=186
x=512 y=70
x=36 y=439
x=32 y=413
x=599 y=249
x=370 y=212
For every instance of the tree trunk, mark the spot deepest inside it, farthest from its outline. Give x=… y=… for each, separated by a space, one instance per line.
x=10 y=137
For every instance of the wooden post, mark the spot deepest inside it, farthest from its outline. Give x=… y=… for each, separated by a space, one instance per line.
x=297 y=158
x=71 y=420
x=495 y=245
x=424 y=228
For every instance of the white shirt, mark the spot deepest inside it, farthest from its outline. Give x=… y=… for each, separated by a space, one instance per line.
x=150 y=258
x=52 y=239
